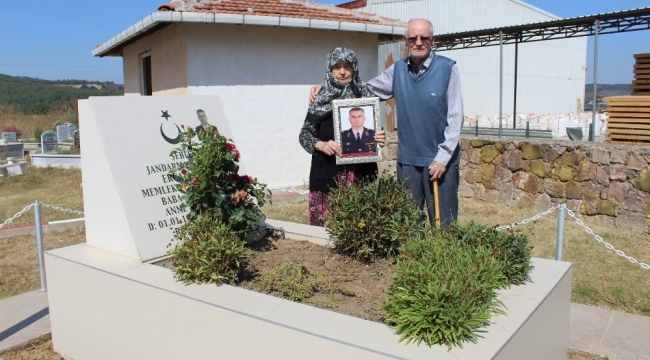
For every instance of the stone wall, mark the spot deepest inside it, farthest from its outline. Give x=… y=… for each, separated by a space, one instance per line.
x=605 y=182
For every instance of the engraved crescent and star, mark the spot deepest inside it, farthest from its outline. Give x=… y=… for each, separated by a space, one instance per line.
x=173 y=141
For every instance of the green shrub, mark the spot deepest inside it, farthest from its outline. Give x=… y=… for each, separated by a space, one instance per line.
x=443 y=290
x=208 y=251
x=299 y=284
x=211 y=183
x=372 y=219
x=511 y=248
x=14 y=129
x=38 y=131
x=56 y=123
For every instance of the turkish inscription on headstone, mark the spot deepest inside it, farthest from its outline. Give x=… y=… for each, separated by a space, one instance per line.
x=49 y=142
x=72 y=129
x=63 y=132
x=9 y=136
x=76 y=139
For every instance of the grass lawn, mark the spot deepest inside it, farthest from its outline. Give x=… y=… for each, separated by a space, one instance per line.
x=600 y=278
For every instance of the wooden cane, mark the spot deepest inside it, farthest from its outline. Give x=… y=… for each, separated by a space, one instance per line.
x=436 y=203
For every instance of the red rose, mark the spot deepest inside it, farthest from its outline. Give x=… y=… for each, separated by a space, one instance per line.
x=237 y=152
x=231 y=147
x=235 y=177
x=184 y=171
x=195 y=181
x=247 y=178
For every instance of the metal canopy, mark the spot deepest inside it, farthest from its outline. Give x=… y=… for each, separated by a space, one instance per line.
x=610 y=23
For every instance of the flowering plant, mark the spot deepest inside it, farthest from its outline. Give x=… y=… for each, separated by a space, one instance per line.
x=212 y=185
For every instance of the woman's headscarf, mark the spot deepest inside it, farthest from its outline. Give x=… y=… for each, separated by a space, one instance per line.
x=331 y=89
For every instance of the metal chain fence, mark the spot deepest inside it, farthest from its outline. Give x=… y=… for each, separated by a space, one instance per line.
x=582 y=224
x=607 y=245
x=18 y=214
x=30 y=206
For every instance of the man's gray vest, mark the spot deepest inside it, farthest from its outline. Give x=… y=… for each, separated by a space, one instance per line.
x=421 y=104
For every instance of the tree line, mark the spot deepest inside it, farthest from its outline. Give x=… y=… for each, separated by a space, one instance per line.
x=38 y=96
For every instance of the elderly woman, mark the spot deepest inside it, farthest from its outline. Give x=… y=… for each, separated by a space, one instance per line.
x=341 y=81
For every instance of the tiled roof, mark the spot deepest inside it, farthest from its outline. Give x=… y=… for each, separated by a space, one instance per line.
x=279 y=8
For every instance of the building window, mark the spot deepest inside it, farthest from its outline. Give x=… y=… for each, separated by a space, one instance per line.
x=145 y=75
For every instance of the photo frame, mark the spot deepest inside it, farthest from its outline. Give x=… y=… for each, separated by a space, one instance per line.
x=355 y=133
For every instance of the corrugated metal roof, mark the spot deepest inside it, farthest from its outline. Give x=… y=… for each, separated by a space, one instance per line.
x=290 y=13
x=563 y=21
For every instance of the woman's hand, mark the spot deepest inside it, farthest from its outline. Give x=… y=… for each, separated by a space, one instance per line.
x=314 y=93
x=328 y=147
x=380 y=137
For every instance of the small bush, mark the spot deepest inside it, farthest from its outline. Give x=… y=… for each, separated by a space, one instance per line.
x=13 y=128
x=208 y=251
x=511 y=248
x=56 y=123
x=211 y=183
x=372 y=219
x=299 y=284
x=38 y=131
x=443 y=290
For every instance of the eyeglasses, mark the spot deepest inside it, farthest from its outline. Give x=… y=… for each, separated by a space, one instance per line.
x=414 y=39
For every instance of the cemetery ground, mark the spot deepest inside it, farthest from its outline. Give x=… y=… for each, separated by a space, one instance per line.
x=28 y=123
x=600 y=277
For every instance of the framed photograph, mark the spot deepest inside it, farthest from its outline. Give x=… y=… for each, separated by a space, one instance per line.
x=355 y=123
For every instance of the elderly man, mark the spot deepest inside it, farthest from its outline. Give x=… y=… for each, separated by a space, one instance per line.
x=358 y=139
x=429 y=105
x=203 y=118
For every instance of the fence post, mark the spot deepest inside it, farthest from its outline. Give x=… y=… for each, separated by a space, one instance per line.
x=476 y=128
x=39 y=244
x=560 y=232
x=527 y=129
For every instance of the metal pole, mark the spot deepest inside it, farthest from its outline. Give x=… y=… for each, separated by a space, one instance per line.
x=39 y=244
x=592 y=128
x=560 y=233
x=514 y=106
x=500 y=81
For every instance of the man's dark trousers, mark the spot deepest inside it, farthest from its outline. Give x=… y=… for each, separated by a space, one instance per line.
x=417 y=180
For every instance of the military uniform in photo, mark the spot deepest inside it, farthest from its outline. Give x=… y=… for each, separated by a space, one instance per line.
x=362 y=142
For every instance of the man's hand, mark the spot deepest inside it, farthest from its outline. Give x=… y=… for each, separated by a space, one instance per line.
x=380 y=137
x=436 y=170
x=314 y=93
x=329 y=147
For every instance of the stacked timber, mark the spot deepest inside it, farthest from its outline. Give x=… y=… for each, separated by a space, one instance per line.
x=628 y=119
x=641 y=83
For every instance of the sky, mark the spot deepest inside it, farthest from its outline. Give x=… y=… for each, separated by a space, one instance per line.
x=54 y=39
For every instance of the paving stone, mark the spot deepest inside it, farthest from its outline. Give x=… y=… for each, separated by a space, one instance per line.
x=588 y=325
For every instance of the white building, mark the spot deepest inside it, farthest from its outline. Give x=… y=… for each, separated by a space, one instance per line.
x=260 y=56
x=551 y=73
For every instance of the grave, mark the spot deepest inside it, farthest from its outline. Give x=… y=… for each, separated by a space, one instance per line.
x=75 y=138
x=107 y=299
x=49 y=142
x=65 y=132
x=9 y=136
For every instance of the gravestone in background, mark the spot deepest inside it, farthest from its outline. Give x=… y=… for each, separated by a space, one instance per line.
x=63 y=132
x=49 y=142
x=9 y=136
x=71 y=130
x=75 y=138
x=131 y=204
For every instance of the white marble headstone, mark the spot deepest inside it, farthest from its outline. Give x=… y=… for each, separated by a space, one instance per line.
x=63 y=132
x=49 y=142
x=131 y=204
x=9 y=136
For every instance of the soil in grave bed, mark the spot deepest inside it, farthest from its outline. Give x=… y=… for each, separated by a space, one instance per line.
x=364 y=283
